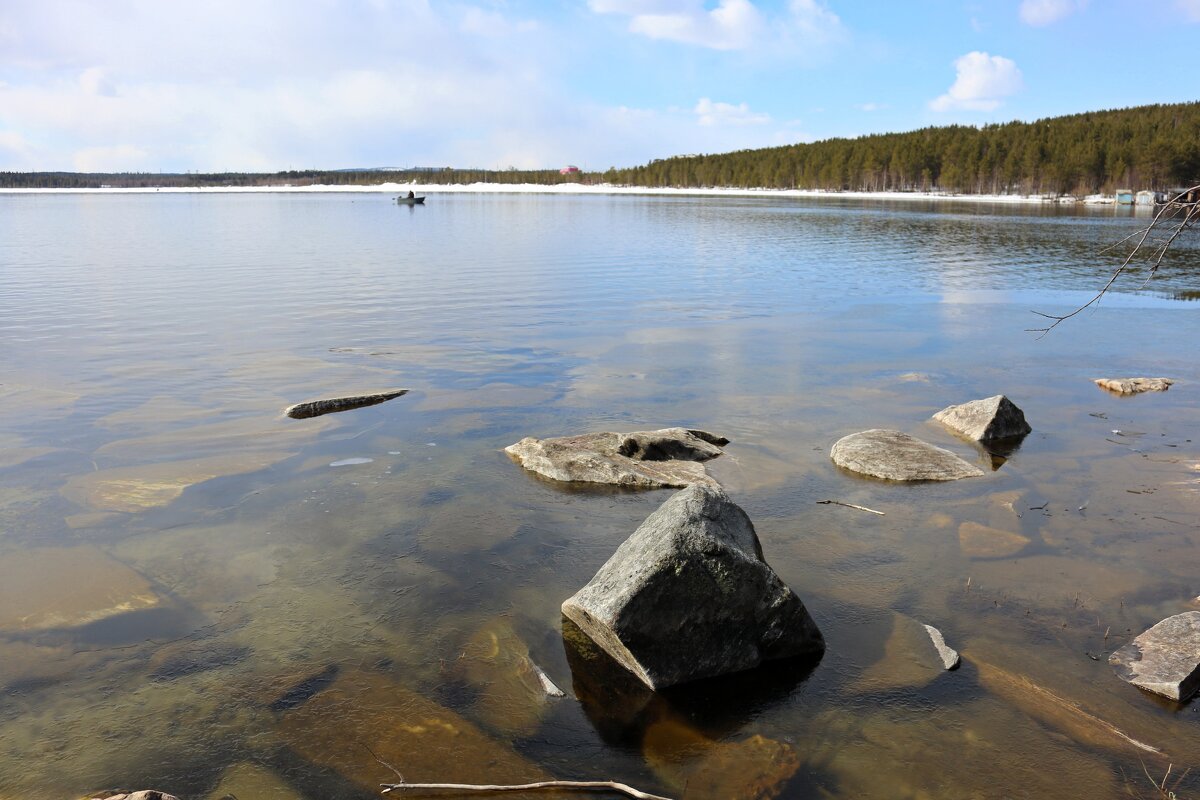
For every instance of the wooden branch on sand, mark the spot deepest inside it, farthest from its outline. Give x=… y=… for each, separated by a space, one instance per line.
x=849 y=505
x=607 y=786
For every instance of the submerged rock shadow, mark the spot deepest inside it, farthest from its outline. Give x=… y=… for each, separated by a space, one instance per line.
x=620 y=707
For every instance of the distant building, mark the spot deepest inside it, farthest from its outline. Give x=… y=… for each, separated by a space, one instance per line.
x=1149 y=198
x=568 y=170
x=1124 y=197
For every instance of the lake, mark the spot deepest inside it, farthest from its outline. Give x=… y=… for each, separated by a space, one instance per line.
x=202 y=596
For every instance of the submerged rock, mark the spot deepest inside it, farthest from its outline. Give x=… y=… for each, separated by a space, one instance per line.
x=514 y=692
x=135 y=489
x=994 y=417
x=1165 y=659
x=688 y=596
x=120 y=794
x=980 y=541
x=704 y=769
x=66 y=587
x=248 y=780
x=316 y=408
x=643 y=459
x=896 y=456
x=1134 y=385
x=913 y=656
x=425 y=741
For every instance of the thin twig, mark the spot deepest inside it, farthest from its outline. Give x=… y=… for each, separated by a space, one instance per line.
x=1188 y=214
x=849 y=505
x=606 y=786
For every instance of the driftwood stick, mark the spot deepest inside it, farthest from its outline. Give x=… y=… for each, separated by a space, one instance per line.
x=849 y=505
x=609 y=786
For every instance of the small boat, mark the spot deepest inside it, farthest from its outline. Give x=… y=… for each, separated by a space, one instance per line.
x=411 y=201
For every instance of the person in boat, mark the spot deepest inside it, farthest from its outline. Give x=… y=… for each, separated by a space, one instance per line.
x=410 y=194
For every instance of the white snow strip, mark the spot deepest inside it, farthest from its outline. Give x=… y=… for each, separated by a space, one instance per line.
x=560 y=188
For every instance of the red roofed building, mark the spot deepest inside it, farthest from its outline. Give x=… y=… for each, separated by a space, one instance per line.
x=568 y=170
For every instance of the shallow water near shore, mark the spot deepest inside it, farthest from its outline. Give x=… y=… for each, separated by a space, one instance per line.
x=201 y=595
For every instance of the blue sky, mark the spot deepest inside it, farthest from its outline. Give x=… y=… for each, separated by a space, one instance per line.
x=167 y=85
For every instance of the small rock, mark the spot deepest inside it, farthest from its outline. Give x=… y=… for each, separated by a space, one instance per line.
x=688 y=596
x=1164 y=659
x=949 y=655
x=513 y=689
x=980 y=541
x=316 y=408
x=643 y=459
x=1134 y=385
x=995 y=417
x=896 y=456
x=144 y=794
x=248 y=780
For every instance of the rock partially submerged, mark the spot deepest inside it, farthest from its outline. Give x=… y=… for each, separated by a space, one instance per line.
x=914 y=655
x=688 y=596
x=896 y=456
x=316 y=408
x=994 y=417
x=1134 y=385
x=1165 y=659
x=669 y=457
x=121 y=794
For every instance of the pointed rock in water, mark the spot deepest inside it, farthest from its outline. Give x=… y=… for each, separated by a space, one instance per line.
x=947 y=654
x=994 y=417
x=688 y=596
x=896 y=456
x=513 y=689
x=316 y=408
x=644 y=459
x=1134 y=385
x=1165 y=659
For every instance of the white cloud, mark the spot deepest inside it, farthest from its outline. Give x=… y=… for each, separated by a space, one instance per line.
x=1044 y=12
x=118 y=158
x=1190 y=9
x=709 y=113
x=982 y=82
x=730 y=25
x=869 y=107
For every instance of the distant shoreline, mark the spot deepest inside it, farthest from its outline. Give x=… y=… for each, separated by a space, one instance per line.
x=566 y=189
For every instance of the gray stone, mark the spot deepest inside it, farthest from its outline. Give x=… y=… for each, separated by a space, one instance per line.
x=688 y=596
x=1134 y=385
x=983 y=420
x=316 y=408
x=643 y=459
x=948 y=655
x=1164 y=659
x=896 y=456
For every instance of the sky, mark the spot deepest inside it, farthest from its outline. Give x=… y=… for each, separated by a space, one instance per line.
x=266 y=85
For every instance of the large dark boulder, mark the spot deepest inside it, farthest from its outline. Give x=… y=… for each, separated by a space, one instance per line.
x=688 y=596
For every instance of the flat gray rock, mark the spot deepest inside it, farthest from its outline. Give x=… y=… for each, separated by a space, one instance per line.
x=316 y=408
x=688 y=596
x=994 y=417
x=642 y=459
x=896 y=456
x=1134 y=385
x=1164 y=659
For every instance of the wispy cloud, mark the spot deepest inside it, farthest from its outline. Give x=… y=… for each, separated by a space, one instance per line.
x=1044 y=12
x=1190 y=9
x=711 y=113
x=730 y=25
x=981 y=84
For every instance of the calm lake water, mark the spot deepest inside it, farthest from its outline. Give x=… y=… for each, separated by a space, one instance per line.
x=202 y=596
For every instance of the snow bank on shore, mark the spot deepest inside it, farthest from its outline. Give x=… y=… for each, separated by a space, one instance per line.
x=561 y=188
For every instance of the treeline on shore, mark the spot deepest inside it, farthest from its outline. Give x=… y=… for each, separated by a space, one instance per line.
x=312 y=177
x=1148 y=147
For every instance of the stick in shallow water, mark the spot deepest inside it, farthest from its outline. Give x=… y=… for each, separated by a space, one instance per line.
x=608 y=786
x=850 y=505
